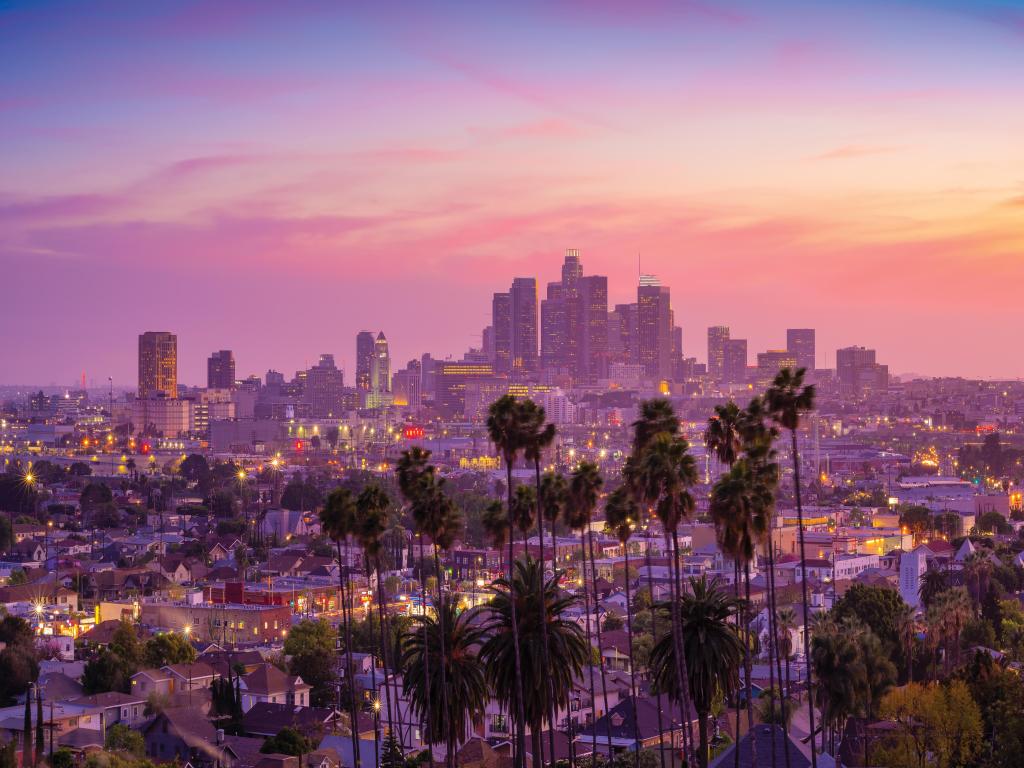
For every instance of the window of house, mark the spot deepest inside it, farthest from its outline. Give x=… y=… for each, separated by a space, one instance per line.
x=499 y=723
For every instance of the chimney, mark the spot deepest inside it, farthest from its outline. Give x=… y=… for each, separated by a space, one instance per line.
x=220 y=735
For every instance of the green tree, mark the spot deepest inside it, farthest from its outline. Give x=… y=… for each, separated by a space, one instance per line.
x=301 y=495
x=168 y=648
x=62 y=758
x=17 y=577
x=881 y=609
x=430 y=662
x=121 y=738
x=288 y=741
x=106 y=672
x=568 y=648
x=713 y=652
x=310 y=644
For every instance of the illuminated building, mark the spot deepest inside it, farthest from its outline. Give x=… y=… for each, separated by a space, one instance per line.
x=165 y=416
x=718 y=337
x=654 y=324
x=158 y=364
x=365 y=345
x=406 y=385
x=800 y=342
x=622 y=334
x=525 y=354
x=501 y=332
x=220 y=370
x=592 y=327
x=380 y=366
x=771 y=362
x=554 y=337
x=452 y=378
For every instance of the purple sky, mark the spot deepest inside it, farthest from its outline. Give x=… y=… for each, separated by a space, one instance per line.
x=272 y=178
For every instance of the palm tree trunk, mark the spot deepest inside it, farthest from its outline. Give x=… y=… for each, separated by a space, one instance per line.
x=803 y=584
x=590 y=645
x=654 y=635
x=449 y=757
x=677 y=621
x=632 y=663
x=600 y=649
x=426 y=651
x=773 y=607
x=545 y=653
x=373 y=678
x=385 y=642
x=748 y=668
x=772 y=642
x=740 y=632
x=702 y=734
x=353 y=722
x=520 y=720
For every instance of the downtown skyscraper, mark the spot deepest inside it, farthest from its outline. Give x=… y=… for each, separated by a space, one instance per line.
x=158 y=364
x=220 y=370
x=574 y=322
x=514 y=329
x=654 y=324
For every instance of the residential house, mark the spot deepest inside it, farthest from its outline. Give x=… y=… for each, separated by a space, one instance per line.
x=268 y=684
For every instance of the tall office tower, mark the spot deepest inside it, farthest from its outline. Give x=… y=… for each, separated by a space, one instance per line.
x=501 y=322
x=220 y=370
x=273 y=378
x=677 y=351
x=622 y=334
x=654 y=323
x=365 y=344
x=406 y=385
x=572 y=271
x=380 y=366
x=734 y=366
x=428 y=376
x=554 y=336
x=718 y=337
x=800 y=341
x=525 y=354
x=487 y=342
x=324 y=388
x=859 y=373
x=592 y=327
x=158 y=364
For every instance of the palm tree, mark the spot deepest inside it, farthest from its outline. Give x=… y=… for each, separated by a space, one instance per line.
x=554 y=495
x=584 y=488
x=338 y=521
x=733 y=510
x=372 y=504
x=786 y=400
x=537 y=436
x=723 y=436
x=569 y=651
x=437 y=518
x=907 y=627
x=453 y=677
x=524 y=507
x=505 y=428
x=933 y=583
x=712 y=650
x=947 y=616
x=620 y=513
x=785 y=625
x=495 y=523
x=838 y=671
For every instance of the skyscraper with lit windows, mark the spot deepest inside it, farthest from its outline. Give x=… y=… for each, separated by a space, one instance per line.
x=654 y=324
x=220 y=370
x=158 y=364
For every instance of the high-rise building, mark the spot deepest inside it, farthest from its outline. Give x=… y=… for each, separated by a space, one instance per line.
x=859 y=373
x=220 y=370
x=452 y=378
x=654 y=324
x=800 y=341
x=324 y=388
x=525 y=354
x=734 y=366
x=380 y=367
x=623 y=334
x=554 y=331
x=592 y=327
x=365 y=346
x=501 y=325
x=718 y=336
x=158 y=364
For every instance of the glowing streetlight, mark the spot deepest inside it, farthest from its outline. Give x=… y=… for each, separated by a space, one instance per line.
x=187 y=630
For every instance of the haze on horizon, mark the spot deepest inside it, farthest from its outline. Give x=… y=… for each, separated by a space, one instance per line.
x=273 y=178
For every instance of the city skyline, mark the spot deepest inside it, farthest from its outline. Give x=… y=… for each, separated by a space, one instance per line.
x=830 y=166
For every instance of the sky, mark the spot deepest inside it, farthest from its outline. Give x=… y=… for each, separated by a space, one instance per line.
x=273 y=177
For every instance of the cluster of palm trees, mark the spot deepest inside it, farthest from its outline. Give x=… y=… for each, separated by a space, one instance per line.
x=520 y=648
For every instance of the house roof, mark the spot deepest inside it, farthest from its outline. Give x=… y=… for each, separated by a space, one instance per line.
x=763 y=733
x=268 y=679
x=265 y=718
x=196 y=671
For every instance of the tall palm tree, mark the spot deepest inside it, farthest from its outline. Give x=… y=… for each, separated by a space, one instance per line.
x=553 y=497
x=506 y=430
x=437 y=518
x=569 y=651
x=372 y=504
x=948 y=614
x=454 y=677
x=733 y=510
x=416 y=480
x=537 y=436
x=662 y=473
x=524 y=508
x=621 y=513
x=786 y=400
x=839 y=673
x=906 y=626
x=785 y=625
x=584 y=489
x=338 y=521
x=712 y=649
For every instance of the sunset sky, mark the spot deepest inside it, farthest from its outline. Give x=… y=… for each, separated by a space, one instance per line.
x=273 y=177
